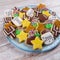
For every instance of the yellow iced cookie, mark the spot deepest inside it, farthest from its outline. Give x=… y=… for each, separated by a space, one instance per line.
x=21 y=14
x=46 y=13
x=22 y=36
x=37 y=43
x=25 y=23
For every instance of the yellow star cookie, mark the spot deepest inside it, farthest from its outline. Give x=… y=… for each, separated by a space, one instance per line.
x=37 y=43
x=22 y=36
x=46 y=13
x=21 y=14
x=26 y=23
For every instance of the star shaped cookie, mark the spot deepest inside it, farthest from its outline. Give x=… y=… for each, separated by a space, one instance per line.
x=26 y=23
x=37 y=43
x=22 y=36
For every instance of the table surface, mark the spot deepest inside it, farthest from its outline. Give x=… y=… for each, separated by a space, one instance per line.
x=7 y=50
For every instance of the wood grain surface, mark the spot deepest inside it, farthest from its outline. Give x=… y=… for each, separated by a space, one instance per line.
x=7 y=50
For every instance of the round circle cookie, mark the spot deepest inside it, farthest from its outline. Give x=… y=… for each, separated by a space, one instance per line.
x=32 y=28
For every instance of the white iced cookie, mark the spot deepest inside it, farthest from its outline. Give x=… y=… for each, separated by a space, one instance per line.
x=47 y=38
x=8 y=13
x=17 y=21
x=52 y=18
x=30 y=13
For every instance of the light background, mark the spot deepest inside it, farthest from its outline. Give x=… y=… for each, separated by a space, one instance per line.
x=8 y=51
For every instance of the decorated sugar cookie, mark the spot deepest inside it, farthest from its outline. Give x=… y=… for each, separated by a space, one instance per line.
x=47 y=38
x=30 y=13
x=37 y=43
x=17 y=21
x=25 y=23
x=10 y=31
x=22 y=36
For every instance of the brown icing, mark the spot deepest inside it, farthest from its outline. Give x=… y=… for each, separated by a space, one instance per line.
x=30 y=39
x=42 y=17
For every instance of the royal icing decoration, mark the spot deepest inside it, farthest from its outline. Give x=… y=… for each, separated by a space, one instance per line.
x=37 y=43
x=47 y=38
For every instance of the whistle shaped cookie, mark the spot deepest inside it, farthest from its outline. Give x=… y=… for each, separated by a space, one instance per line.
x=17 y=21
x=10 y=31
x=30 y=13
x=48 y=38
